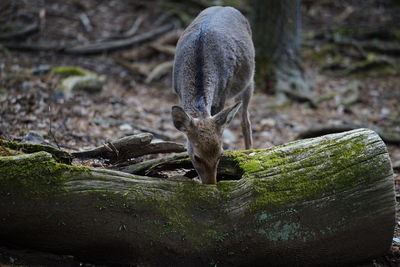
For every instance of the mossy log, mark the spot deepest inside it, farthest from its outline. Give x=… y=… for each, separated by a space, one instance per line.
x=321 y=201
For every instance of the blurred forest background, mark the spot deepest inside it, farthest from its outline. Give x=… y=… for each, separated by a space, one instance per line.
x=75 y=74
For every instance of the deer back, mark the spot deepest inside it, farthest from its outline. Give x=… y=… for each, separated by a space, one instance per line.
x=214 y=61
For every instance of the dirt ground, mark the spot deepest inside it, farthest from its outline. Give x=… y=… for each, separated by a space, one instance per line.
x=31 y=98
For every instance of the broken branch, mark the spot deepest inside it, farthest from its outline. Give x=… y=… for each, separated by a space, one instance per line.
x=28 y=30
x=123 y=146
x=113 y=45
x=130 y=147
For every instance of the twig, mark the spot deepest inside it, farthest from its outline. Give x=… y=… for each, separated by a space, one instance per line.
x=159 y=70
x=110 y=146
x=166 y=49
x=134 y=67
x=118 y=44
x=134 y=28
x=51 y=132
x=86 y=22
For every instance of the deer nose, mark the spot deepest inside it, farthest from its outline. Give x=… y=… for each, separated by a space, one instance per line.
x=208 y=175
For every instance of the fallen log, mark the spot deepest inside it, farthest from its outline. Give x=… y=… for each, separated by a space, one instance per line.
x=323 y=201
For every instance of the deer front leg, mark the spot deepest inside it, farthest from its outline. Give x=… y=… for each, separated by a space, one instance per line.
x=245 y=120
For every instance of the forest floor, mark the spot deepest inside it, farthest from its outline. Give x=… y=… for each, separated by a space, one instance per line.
x=350 y=50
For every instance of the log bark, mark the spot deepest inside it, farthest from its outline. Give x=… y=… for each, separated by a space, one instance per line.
x=326 y=201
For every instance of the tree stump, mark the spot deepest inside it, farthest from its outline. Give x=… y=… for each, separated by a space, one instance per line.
x=321 y=201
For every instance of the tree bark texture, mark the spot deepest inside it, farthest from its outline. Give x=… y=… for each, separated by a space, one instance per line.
x=323 y=201
x=276 y=35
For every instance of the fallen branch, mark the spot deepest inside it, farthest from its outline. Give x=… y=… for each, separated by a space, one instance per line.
x=137 y=68
x=130 y=147
x=143 y=167
x=33 y=47
x=118 y=44
x=117 y=149
x=159 y=70
x=163 y=48
x=28 y=30
x=134 y=28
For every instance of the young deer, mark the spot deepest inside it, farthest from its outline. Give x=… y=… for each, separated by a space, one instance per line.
x=214 y=62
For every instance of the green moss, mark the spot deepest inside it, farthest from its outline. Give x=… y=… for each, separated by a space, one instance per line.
x=72 y=71
x=226 y=188
x=6 y=151
x=256 y=160
x=33 y=176
x=294 y=174
x=90 y=83
x=187 y=215
x=60 y=156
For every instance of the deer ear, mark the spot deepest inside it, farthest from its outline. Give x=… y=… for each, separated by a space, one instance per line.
x=181 y=119
x=224 y=117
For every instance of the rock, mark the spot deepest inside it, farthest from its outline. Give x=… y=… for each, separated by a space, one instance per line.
x=41 y=69
x=33 y=137
x=126 y=127
x=89 y=84
x=79 y=79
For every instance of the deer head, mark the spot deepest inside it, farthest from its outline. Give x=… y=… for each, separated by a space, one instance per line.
x=204 y=138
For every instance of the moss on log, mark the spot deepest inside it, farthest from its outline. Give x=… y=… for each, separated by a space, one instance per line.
x=9 y=147
x=322 y=201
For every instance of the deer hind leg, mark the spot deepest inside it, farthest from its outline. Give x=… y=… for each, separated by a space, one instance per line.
x=245 y=120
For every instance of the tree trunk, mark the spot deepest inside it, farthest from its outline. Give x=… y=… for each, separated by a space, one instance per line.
x=276 y=35
x=322 y=201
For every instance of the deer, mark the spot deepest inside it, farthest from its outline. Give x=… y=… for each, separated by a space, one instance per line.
x=214 y=63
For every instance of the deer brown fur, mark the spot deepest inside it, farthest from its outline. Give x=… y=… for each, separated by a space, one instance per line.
x=214 y=62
